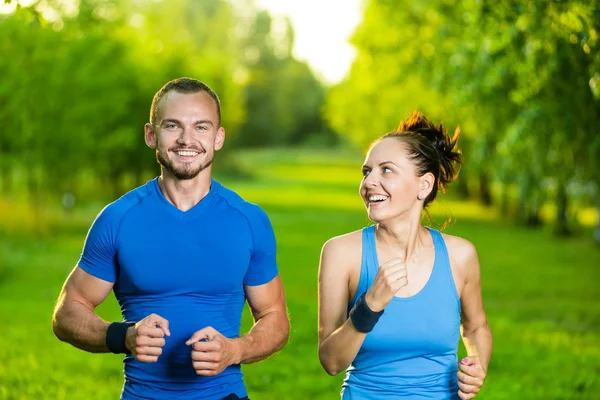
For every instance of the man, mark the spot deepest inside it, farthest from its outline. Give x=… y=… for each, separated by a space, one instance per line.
x=182 y=254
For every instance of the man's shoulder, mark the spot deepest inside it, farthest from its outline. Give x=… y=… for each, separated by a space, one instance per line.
x=245 y=207
x=118 y=208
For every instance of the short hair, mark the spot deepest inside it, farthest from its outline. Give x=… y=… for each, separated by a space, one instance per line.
x=182 y=85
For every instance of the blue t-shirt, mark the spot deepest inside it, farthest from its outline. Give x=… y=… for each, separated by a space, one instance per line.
x=188 y=267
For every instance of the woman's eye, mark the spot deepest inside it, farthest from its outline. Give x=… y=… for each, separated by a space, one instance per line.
x=386 y=169
x=366 y=172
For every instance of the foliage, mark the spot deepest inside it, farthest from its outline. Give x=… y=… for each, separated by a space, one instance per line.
x=82 y=79
x=520 y=76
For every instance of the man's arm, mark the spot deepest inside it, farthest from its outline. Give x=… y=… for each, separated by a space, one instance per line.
x=74 y=320
x=271 y=323
x=212 y=352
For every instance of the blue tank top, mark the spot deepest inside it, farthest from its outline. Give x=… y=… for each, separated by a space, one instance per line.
x=412 y=351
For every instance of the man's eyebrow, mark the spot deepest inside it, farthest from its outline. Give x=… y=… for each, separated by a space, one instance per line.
x=176 y=121
x=172 y=120
x=203 y=121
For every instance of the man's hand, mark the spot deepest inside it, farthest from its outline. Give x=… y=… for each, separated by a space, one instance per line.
x=212 y=352
x=146 y=338
x=470 y=377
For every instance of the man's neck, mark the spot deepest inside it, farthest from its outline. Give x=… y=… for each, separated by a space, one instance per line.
x=185 y=194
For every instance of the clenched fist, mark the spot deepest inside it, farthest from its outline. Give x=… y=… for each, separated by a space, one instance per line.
x=211 y=351
x=470 y=377
x=391 y=277
x=146 y=338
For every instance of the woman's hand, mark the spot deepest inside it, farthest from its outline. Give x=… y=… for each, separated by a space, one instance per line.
x=391 y=277
x=470 y=377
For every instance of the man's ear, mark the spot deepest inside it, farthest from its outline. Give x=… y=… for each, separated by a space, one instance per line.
x=150 y=136
x=220 y=138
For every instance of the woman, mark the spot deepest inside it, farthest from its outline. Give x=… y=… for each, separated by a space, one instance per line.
x=395 y=297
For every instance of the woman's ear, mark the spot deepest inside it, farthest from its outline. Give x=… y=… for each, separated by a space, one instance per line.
x=425 y=185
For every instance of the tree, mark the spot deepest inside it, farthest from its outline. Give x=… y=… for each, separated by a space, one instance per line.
x=520 y=76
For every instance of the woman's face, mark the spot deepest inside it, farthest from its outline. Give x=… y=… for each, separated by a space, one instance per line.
x=390 y=185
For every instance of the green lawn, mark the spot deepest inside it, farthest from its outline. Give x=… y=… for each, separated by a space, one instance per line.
x=540 y=293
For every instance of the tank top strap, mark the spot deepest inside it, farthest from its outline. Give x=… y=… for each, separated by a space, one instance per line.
x=442 y=269
x=370 y=254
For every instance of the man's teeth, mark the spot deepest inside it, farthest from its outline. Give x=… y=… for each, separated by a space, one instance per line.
x=187 y=153
x=377 y=198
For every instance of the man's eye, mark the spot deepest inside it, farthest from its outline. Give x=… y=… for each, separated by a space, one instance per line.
x=201 y=128
x=170 y=126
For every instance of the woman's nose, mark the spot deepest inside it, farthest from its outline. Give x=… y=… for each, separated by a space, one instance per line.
x=371 y=180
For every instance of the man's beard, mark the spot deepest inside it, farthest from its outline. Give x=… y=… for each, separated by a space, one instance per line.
x=185 y=172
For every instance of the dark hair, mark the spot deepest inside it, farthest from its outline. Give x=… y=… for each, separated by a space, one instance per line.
x=182 y=85
x=431 y=149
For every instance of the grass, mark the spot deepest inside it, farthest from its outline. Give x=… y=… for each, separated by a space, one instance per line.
x=540 y=293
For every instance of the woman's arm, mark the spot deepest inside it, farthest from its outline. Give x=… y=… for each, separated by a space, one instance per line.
x=475 y=331
x=339 y=340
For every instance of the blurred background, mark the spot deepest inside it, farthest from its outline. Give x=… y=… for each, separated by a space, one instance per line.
x=305 y=87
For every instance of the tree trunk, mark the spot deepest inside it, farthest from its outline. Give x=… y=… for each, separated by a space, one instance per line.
x=597 y=230
x=562 y=225
x=137 y=176
x=115 y=183
x=7 y=183
x=33 y=193
x=504 y=201
x=533 y=216
x=484 y=189
x=462 y=186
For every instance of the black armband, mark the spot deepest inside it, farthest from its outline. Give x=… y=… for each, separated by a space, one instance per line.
x=363 y=318
x=115 y=337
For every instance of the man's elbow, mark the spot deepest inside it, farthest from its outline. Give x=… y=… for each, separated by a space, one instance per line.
x=57 y=331
x=285 y=334
x=57 y=327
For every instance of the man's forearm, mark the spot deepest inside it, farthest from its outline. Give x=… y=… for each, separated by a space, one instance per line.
x=268 y=335
x=76 y=324
x=479 y=342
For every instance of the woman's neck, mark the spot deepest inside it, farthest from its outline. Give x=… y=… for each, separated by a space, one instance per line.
x=403 y=238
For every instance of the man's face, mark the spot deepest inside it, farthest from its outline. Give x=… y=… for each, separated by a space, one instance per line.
x=187 y=133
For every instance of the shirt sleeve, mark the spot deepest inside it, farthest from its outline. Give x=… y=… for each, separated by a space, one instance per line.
x=99 y=255
x=263 y=262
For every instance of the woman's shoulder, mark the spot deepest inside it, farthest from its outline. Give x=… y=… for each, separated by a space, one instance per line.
x=341 y=257
x=460 y=250
x=344 y=243
x=344 y=250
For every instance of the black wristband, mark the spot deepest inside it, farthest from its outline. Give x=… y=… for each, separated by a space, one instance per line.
x=115 y=337
x=363 y=318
